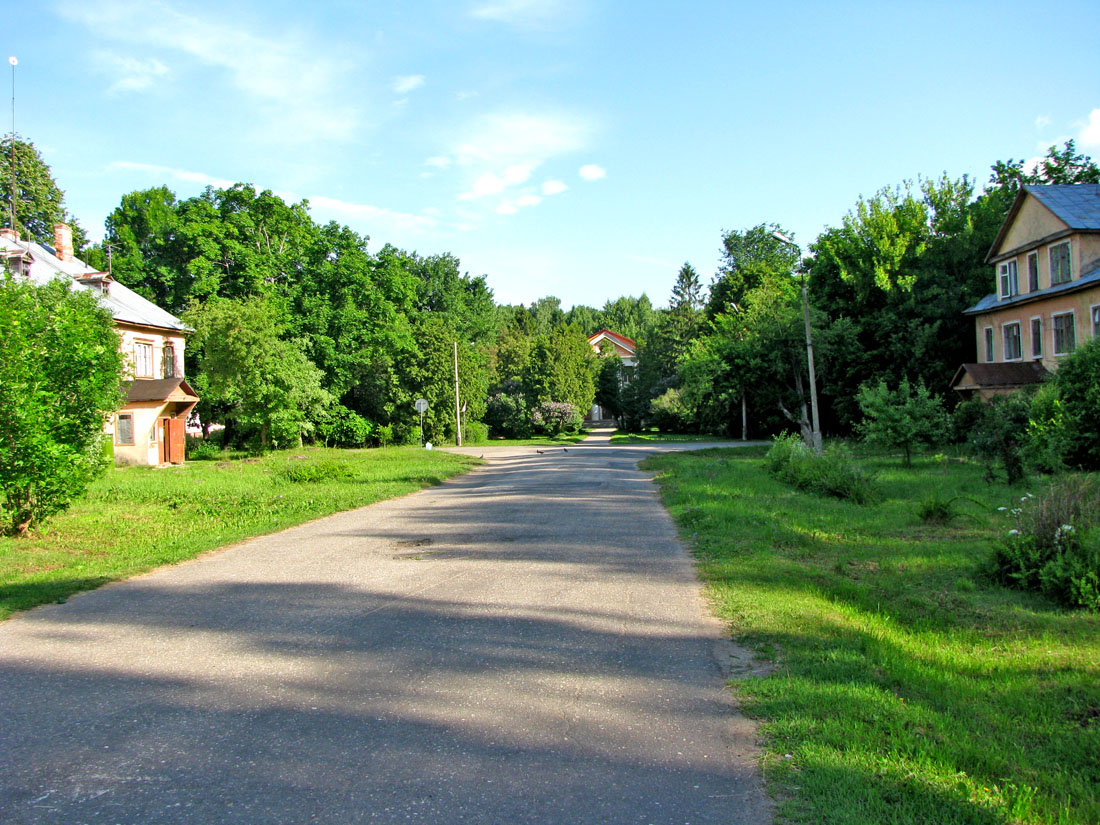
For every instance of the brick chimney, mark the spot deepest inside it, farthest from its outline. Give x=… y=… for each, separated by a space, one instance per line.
x=63 y=241
x=9 y=233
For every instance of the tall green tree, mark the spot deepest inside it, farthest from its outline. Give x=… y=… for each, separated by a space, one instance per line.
x=60 y=376
x=748 y=257
x=39 y=201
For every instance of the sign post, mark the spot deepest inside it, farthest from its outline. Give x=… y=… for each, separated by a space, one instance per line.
x=421 y=404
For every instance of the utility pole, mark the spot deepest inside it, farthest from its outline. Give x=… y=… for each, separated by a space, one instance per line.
x=458 y=409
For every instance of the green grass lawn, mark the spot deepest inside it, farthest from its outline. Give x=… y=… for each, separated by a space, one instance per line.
x=907 y=687
x=654 y=437
x=137 y=518
x=536 y=441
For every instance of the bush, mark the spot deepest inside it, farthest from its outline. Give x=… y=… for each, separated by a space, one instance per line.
x=901 y=418
x=670 y=414
x=383 y=435
x=833 y=473
x=1054 y=547
x=1078 y=383
x=476 y=432
x=965 y=418
x=1048 y=437
x=999 y=436
x=308 y=472
x=60 y=375
x=337 y=426
x=556 y=417
x=201 y=449
x=507 y=415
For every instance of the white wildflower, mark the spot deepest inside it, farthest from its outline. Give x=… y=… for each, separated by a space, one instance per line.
x=1014 y=532
x=1001 y=509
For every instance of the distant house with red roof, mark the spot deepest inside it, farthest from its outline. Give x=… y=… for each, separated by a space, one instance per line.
x=626 y=349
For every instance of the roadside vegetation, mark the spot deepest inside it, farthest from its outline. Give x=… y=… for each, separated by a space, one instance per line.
x=909 y=686
x=654 y=436
x=137 y=518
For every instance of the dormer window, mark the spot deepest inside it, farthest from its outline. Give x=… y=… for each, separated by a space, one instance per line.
x=1010 y=282
x=1033 y=272
x=1060 y=269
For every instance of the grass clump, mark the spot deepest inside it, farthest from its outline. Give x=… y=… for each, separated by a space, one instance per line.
x=833 y=473
x=311 y=472
x=1054 y=547
x=909 y=687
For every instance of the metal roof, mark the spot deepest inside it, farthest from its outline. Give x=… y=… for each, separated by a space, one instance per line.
x=1001 y=374
x=1076 y=204
x=991 y=302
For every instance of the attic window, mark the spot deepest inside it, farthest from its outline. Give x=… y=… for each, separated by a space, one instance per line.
x=1010 y=283
x=1060 y=269
x=168 y=359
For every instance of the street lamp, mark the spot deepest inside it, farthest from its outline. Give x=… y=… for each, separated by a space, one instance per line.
x=779 y=236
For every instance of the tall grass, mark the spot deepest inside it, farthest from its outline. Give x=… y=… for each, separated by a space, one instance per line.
x=908 y=687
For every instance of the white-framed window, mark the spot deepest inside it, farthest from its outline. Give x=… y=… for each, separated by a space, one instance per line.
x=989 y=345
x=124 y=429
x=1013 y=343
x=1010 y=282
x=1036 y=337
x=1094 y=311
x=1065 y=333
x=168 y=361
x=143 y=359
x=1061 y=271
x=1032 y=271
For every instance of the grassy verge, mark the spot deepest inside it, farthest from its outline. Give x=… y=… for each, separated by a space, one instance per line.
x=653 y=437
x=137 y=518
x=907 y=688
x=537 y=441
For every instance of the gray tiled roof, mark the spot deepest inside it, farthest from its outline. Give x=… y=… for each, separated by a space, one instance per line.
x=1077 y=204
x=991 y=301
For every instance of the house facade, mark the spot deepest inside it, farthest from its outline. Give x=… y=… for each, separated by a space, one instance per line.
x=627 y=350
x=149 y=428
x=1046 y=269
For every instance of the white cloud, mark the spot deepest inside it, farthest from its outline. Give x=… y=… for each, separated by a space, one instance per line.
x=134 y=75
x=438 y=162
x=1090 y=132
x=407 y=83
x=507 y=207
x=591 y=171
x=296 y=84
x=520 y=137
x=383 y=218
x=1042 y=121
x=553 y=187
x=492 y=184
x=528 y=200
x=526 y=14
x=175 y=174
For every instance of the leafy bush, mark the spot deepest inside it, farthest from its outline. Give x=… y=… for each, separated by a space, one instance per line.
x=1048 y=436
x=999 y=435
x=1078 y=384
x=476 y=432
x=337 y=426
x=556 y=417
x=669 y=412
x=507 y=415
x=307 y=472
x=833 y=473
x=965 y=418
x=202 y=449
x=901 y=418
x=383 y=436
x=1054 y=547
x=60 y=375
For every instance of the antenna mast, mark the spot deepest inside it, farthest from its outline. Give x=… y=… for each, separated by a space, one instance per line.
x=14 y=186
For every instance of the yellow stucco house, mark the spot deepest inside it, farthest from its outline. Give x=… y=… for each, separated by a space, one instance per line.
x=149 y=428
x=1046 y=268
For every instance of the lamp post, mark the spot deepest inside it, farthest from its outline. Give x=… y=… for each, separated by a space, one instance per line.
x=779 y=236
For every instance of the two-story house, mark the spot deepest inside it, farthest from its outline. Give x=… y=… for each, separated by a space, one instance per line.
x=627 y=350
x=149 y=428
x=1046 y=263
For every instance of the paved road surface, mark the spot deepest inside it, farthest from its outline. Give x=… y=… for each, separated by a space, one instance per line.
x=526 y=643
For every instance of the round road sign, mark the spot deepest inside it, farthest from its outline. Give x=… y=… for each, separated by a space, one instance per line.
x=421 y=404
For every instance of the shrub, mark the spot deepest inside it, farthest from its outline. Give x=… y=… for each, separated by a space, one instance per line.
x=383 y=435
x=507 y=415
x=1078 y=384
x=1054 y=547
x=669 y=412
x=556 y=417
x=337 y=426
x=308 y=472
x=60 y=373
x=476 y=432
x=833 y=473
x=965 y=418
x=201 y=449
x=901 y=418
x=1048 y=437
x=999 y=436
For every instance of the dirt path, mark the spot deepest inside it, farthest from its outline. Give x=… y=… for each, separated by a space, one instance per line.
x=525 y=643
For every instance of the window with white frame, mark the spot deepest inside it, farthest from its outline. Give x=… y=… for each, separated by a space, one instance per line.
x=1036 y=337
x=143 y=359
x=1095 y=321
x=1065 y=334
x=1013 y=345
x=1010 y=283
x=1060 y=270
x=168 y=361
x=124 y=429
x=1033 y=272
x=989 y=344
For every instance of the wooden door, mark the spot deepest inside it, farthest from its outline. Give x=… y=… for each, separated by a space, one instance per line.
x=174 y=439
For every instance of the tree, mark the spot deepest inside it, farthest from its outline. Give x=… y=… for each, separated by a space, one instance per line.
x=901 y=418
x=687 y=293
x=271 y=390
x=1078 y=384
x=748 y=257
x=40 y=203
x=60 y=376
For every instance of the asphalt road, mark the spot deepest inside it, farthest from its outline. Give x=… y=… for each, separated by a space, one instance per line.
x=526 y=643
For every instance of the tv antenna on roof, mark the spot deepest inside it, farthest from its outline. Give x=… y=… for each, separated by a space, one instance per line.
x=14 y=62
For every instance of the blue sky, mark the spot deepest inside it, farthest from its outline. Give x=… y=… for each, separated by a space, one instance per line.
x=576 y=148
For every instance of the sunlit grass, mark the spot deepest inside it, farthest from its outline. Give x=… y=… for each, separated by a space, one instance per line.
x=908 y=687
x=655 y=437
x=137 y=518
